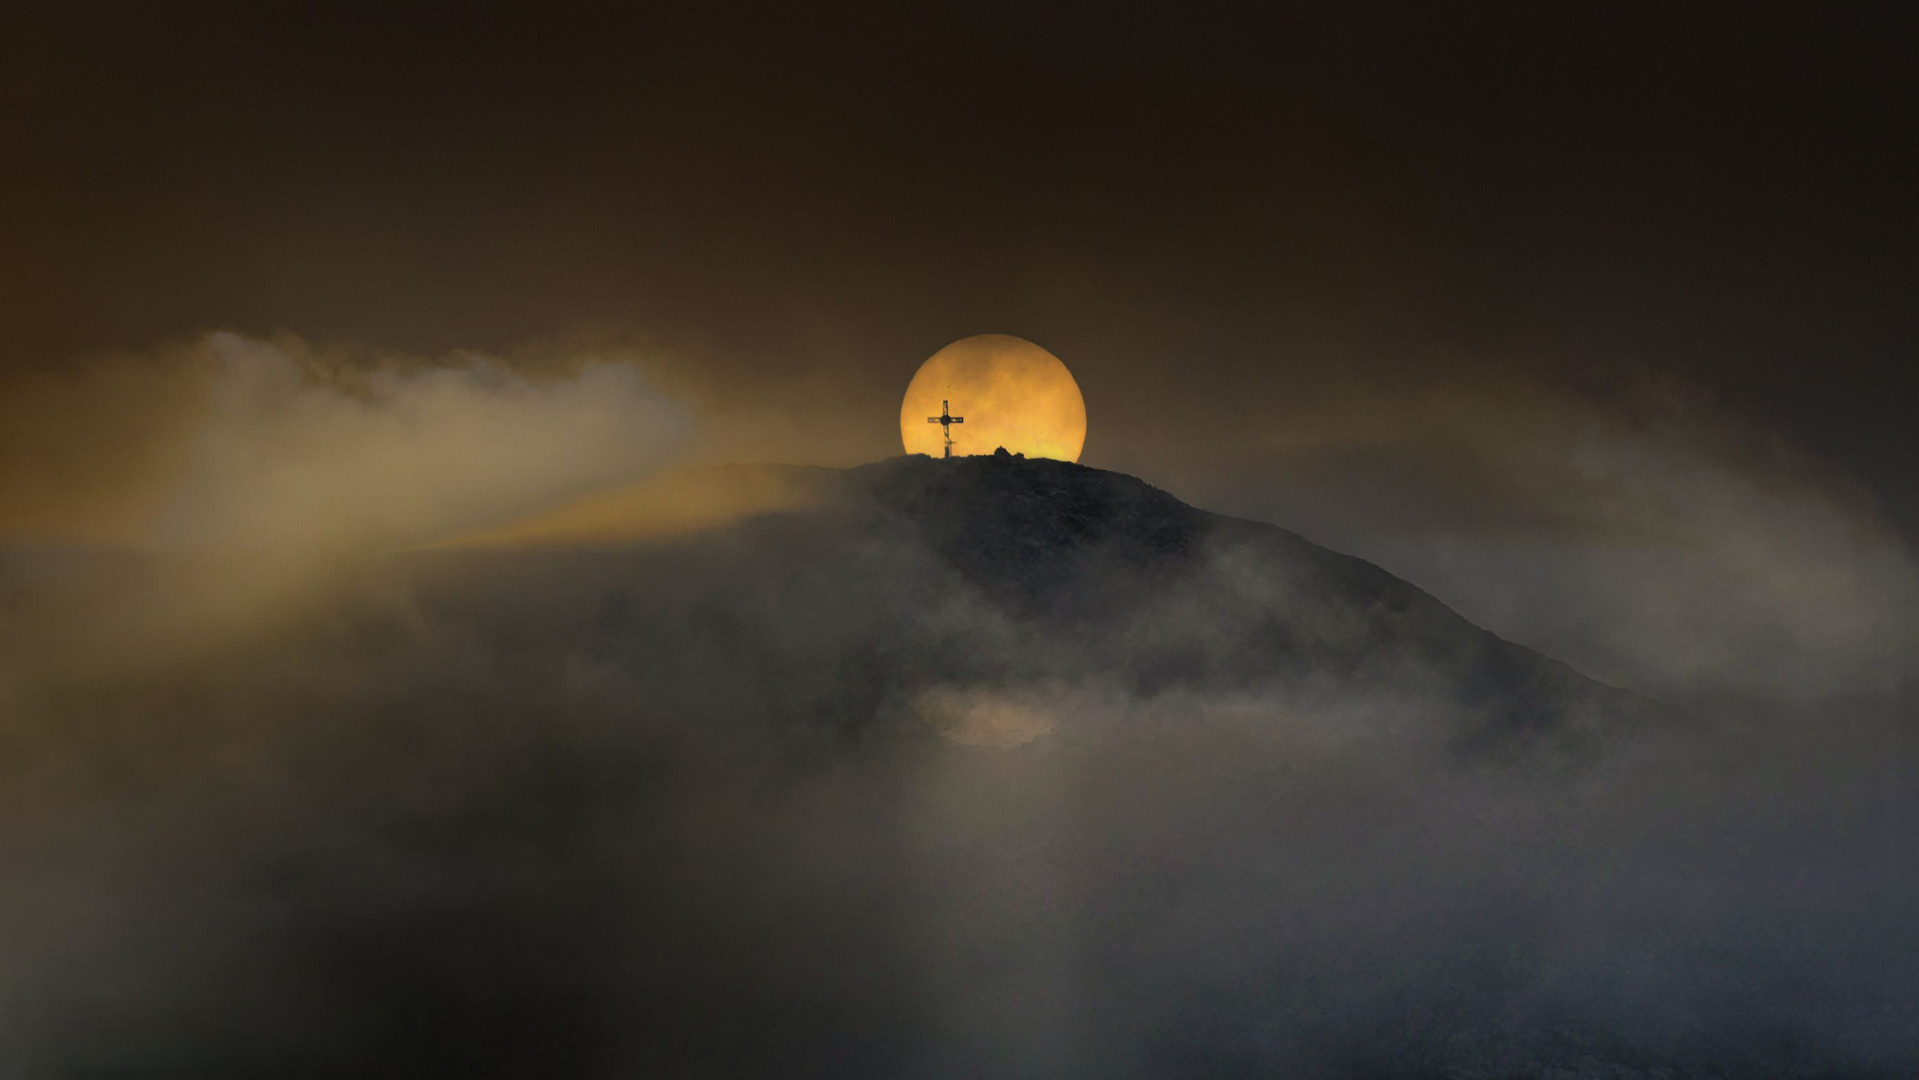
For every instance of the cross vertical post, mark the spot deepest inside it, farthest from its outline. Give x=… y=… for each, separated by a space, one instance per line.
x=946 y=420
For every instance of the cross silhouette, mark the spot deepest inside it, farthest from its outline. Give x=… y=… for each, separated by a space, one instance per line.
x=946 y=420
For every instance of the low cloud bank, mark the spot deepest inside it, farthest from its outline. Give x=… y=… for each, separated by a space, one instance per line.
x=263 y=473
x=699 y=808
x=1649 y=537
x=282 y=448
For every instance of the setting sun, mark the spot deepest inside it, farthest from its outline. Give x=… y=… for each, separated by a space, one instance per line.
x=1009 y=392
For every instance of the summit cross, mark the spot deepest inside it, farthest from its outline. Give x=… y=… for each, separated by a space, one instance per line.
x=946 y=420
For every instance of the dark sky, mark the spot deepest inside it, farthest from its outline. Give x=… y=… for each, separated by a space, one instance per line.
x=1195 y=207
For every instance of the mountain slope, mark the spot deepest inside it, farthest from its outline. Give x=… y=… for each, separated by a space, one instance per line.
x=916 y=573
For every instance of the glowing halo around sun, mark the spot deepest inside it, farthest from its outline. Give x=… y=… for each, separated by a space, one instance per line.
x=1011 y=392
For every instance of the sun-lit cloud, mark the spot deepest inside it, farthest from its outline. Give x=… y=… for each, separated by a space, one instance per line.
x=295 y=453
x=278 y=445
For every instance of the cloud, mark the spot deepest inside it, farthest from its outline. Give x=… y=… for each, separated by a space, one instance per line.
x=296 y=453
x=796 y=796
x=977 y=717
x=279 y=445
x=1647 y=536
x=674 y=808
x=271 y=471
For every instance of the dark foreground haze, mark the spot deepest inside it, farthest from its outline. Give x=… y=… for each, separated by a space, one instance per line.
x=983 y=767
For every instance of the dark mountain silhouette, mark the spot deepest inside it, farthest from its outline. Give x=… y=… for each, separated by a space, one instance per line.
x=999 y=570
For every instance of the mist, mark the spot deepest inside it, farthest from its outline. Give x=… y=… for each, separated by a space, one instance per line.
x=779 y=795
x=1649 y=535
x=299 y=454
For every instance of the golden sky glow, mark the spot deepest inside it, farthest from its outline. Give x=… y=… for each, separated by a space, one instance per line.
x=1011 y=392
